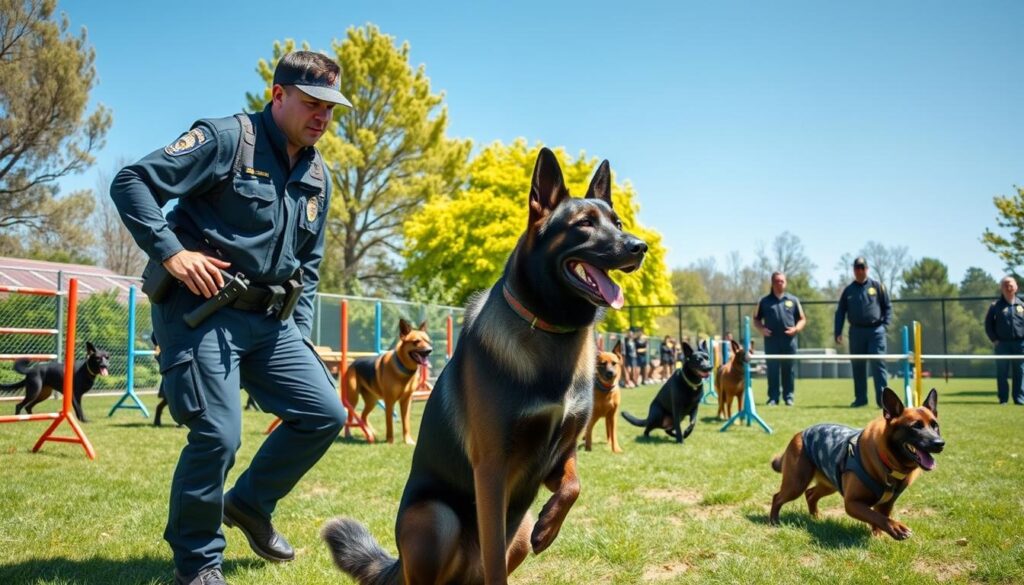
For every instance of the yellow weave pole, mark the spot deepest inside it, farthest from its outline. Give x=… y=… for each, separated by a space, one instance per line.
x=918 y=378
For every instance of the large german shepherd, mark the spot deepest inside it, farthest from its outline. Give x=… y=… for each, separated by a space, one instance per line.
x=507 y=410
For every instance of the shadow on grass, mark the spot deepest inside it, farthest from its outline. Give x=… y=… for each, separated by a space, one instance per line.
x=659 y=439
x=826 y=532
x=102 y=571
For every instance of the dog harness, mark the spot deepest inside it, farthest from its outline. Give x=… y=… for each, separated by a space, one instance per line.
x=835 y=449
x=600 y=385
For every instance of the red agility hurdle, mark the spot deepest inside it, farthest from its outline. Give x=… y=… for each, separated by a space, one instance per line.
x=66 y=413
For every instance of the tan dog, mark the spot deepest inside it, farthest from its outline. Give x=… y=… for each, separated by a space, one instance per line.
x=870 y=468
x=391 y=377
x=606 y=396
x=730 y=382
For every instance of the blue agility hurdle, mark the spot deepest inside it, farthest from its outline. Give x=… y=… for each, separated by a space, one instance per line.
x=132 y=352
x=748 y=413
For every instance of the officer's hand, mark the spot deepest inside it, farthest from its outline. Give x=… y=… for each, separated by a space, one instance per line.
x=767 y=332
x=200 y=273
x=791 y=331
x=839 y=339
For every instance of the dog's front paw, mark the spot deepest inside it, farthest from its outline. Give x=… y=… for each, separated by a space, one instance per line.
x=898 y=530
x=544 y=534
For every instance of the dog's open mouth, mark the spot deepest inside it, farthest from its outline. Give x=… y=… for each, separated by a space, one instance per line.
x=420 y=356
x=596 y=283
x=923 y=458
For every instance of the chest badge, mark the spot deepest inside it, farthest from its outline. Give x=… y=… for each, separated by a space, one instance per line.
x=789 y=304
x=872 y=291
x=1020 y=309
x=312 y=209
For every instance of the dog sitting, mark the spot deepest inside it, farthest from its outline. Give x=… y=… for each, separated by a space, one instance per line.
x=606 y=396
x=730 y=381
x=390 y=376
x=679 y=397
x=507 y=411
x=870 y=468
x=41 y=380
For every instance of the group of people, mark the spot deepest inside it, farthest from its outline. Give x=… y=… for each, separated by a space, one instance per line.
x=866 y=306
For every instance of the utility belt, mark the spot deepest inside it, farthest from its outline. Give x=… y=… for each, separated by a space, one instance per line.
x=238 y=293
x=874 y=325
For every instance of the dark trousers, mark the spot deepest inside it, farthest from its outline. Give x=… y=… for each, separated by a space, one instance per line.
x=1014 y=367
x=780 y=369
x=202 y=370
x=866 y=340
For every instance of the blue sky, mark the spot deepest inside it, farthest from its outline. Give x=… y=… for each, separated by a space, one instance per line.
x=841 y=122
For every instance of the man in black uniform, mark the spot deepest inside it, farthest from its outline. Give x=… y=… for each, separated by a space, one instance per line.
x=866 y=302
x=779 y=317
x=1004 y=325
x=252 y=193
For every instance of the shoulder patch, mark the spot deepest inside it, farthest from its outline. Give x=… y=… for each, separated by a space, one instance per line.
x=188 y=142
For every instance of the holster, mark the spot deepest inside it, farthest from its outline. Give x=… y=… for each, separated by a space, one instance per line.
x=157 y=283
x=293 y=288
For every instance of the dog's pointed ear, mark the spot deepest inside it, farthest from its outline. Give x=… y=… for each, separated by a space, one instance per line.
x=90 y=348
x=735 y=345
x=617 y=350
x=404 y=327
x=703 y=346
x=601 y=185
x=423 y=326
x=548 y=187
x=892 y=406
x=687 y=350
x=932 y=402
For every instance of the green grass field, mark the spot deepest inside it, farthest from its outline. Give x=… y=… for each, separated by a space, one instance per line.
x=658 y=513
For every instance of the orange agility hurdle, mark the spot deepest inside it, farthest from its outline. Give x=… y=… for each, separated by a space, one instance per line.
x=66 y=413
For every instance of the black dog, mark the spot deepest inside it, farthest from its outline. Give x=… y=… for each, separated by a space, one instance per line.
x=504 y=416
x=41 y=380
x=679 y=397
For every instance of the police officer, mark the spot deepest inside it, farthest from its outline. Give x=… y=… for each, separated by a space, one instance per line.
x=866 y=303
x=1004 y=325
x=779 y=317
x=252 y=195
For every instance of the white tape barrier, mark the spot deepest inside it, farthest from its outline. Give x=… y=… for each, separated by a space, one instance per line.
x=840 y=357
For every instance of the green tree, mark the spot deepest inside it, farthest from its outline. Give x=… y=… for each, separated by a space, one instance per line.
x=696 y=321
x=1010 y=249
x=458 y=244
x=46 y=74
x=387 y=155
x=978 y=283
x=929 y=278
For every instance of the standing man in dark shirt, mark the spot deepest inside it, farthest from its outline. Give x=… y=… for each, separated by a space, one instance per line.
x=1004 y=325
x=779 y=317
x=866 y=303
x=251 y=194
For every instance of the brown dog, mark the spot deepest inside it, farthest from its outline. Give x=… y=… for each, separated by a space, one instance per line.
x=390 y=376
x=606 y=396
x=729 y=380
x=870 y=468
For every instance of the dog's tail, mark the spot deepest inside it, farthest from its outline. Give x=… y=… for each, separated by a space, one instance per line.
x=777 y=464
x=640 y=422
x=23 y=367
x=357 y=553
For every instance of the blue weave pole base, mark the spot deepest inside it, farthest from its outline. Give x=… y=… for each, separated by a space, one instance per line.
x=137 y=406
x=748 y=413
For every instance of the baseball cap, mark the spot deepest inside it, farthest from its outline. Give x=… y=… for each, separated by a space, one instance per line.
x=323 y=86
x=860 y=262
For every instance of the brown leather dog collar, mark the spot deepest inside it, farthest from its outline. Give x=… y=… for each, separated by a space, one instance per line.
x=528 y=316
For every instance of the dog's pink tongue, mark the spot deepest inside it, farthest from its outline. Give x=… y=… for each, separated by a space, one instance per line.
x=610 y=292
x=103 y=371
x=926 y=460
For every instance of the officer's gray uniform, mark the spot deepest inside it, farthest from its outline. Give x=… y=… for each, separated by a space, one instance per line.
x=778 y=314
x=1004 y=325
x=268 y=220
x=869 y=310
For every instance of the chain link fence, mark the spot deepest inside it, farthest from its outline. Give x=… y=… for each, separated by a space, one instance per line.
x=949 y=326
x=103 y=308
